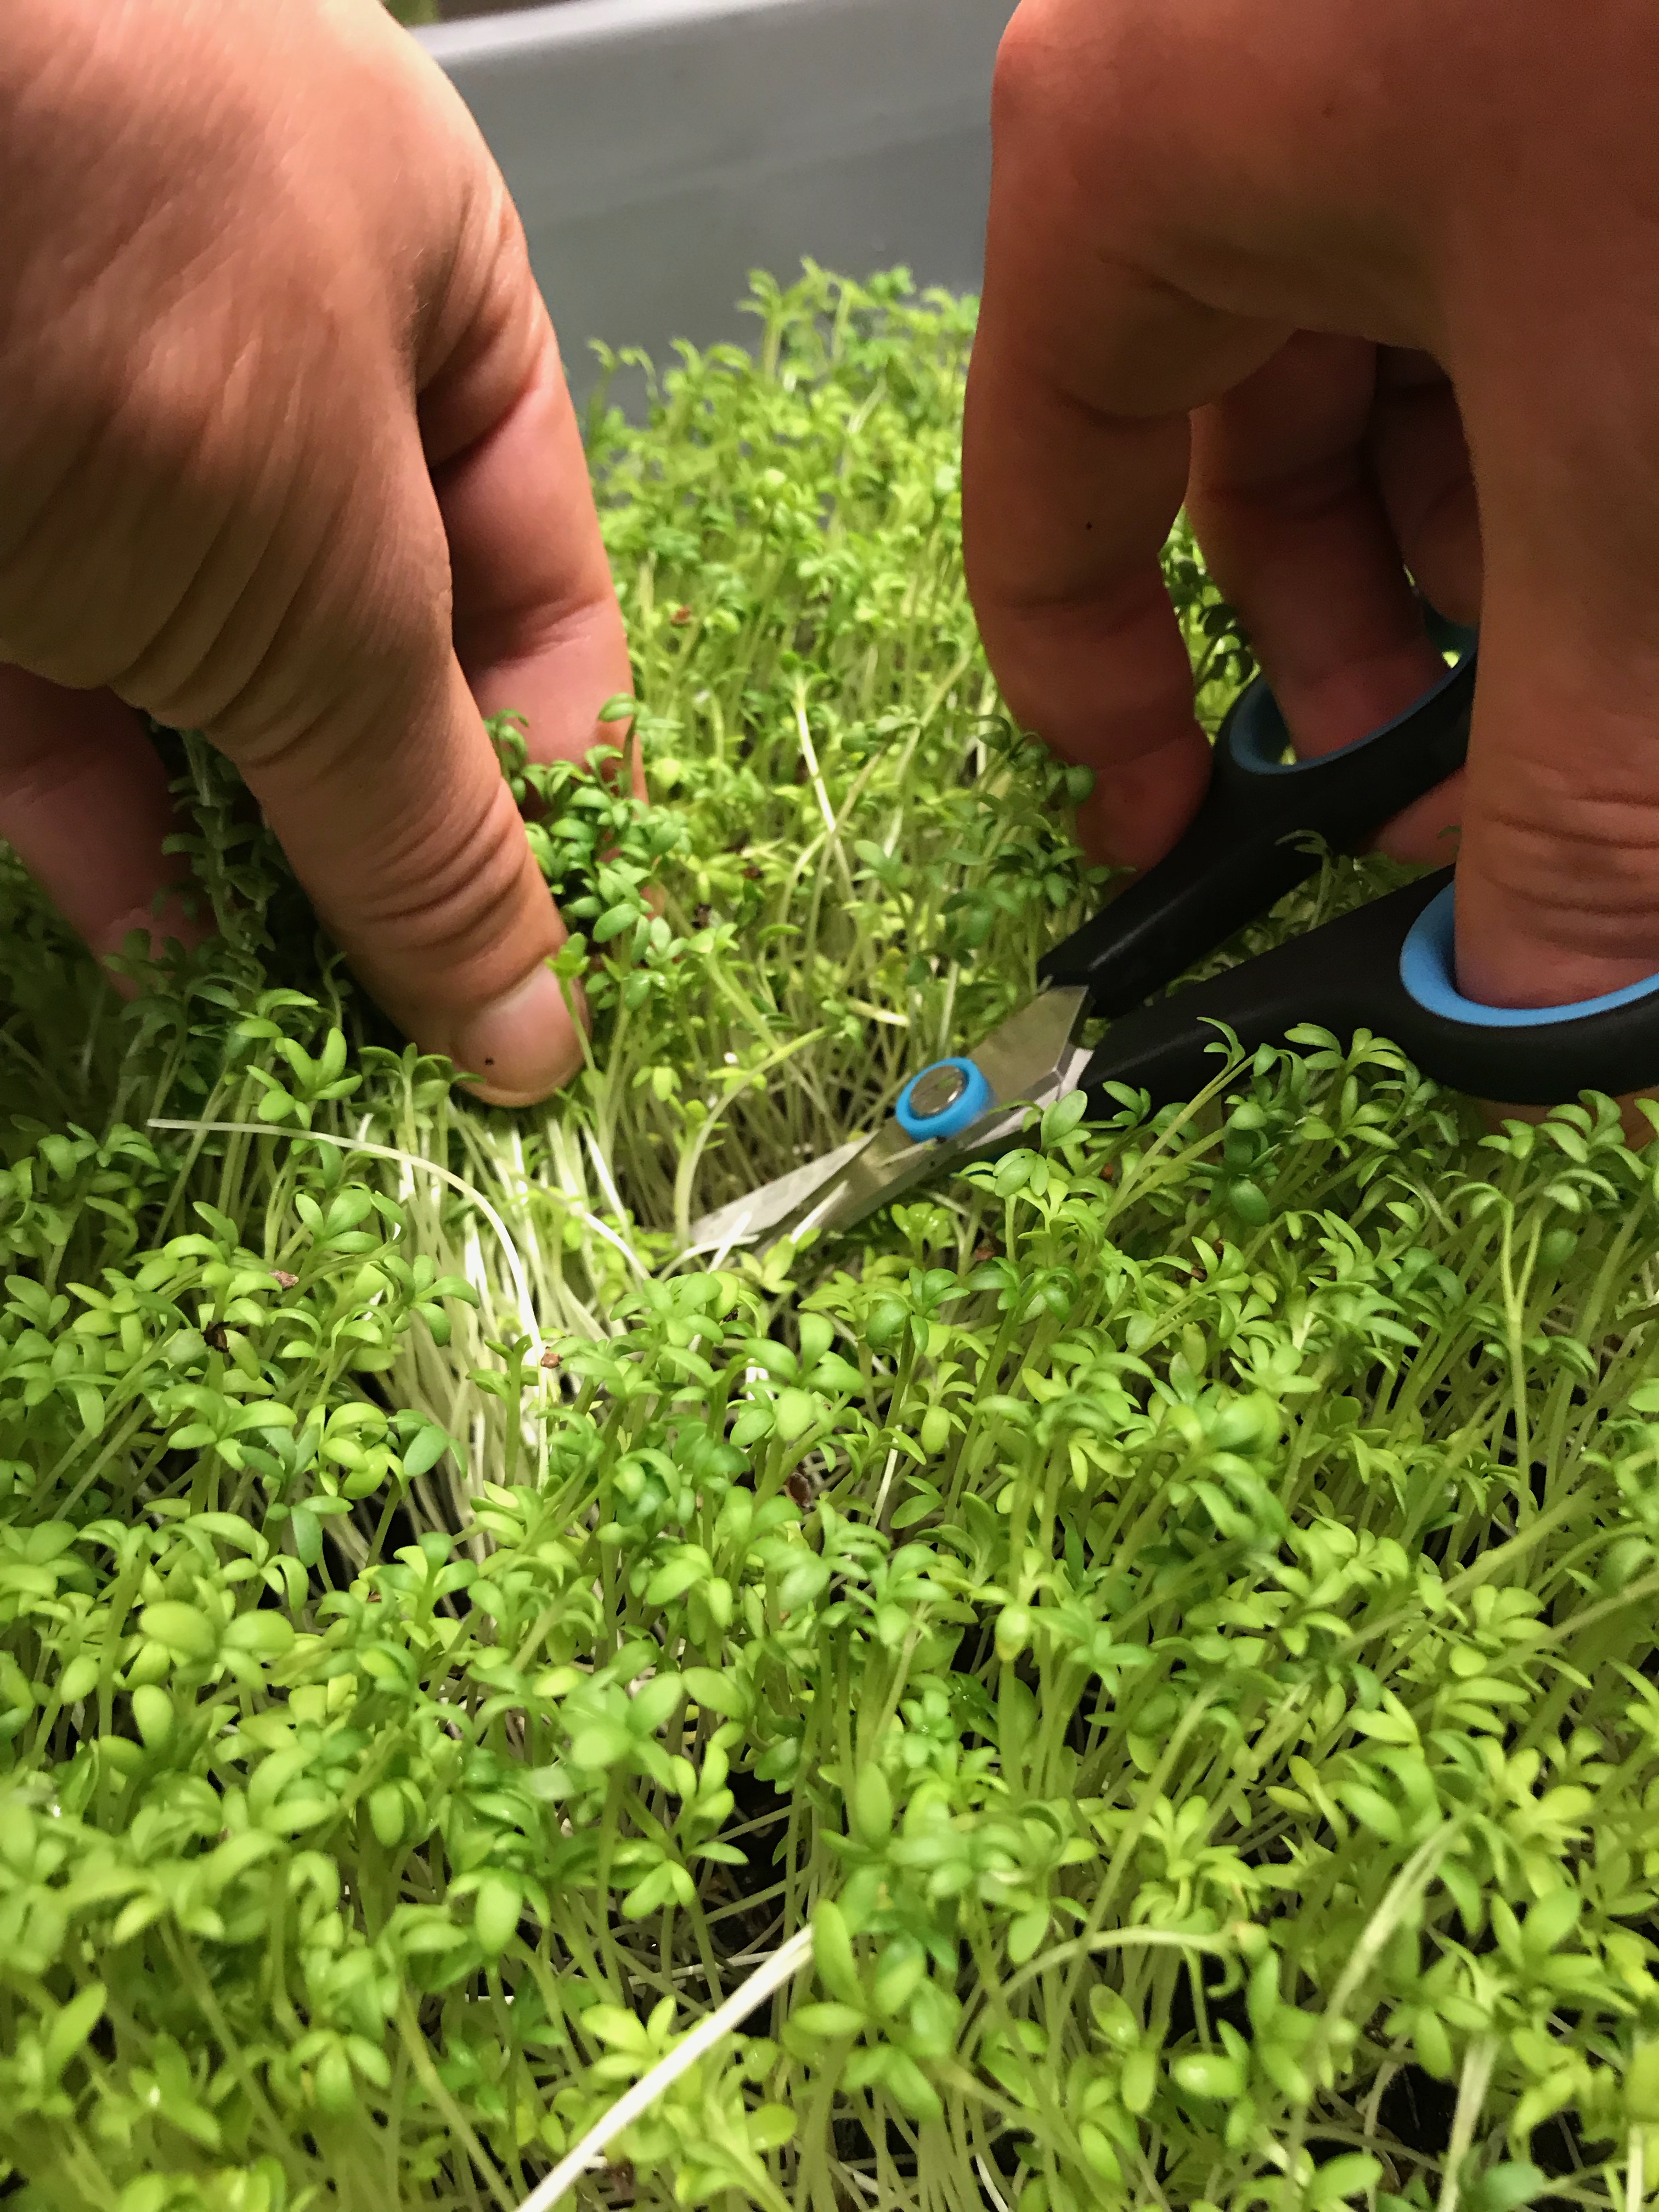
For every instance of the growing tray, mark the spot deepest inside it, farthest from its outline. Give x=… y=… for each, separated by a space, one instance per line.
x=659 y=150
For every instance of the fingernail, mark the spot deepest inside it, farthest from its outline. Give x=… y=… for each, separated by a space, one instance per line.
x=523 y=1045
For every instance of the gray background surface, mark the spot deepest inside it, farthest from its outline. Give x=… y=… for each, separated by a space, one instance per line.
x=661 y=149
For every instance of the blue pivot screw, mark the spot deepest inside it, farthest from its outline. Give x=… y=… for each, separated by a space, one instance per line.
x=945 y=1099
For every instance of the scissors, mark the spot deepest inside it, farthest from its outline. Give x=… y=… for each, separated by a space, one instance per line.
x=1387 y=967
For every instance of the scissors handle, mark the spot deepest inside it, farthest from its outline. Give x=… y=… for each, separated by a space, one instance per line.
x=1249 y=843
x=1387 y=968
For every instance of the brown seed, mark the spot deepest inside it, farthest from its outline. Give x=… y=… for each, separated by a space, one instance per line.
x=549 y=1358
x=799 y=1488
x=680 y=617
x=215 y=1336
x=752 y=873
x=282 y=1280
x=984 y=1252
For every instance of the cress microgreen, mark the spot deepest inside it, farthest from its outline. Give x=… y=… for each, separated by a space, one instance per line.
x=1170 y=1608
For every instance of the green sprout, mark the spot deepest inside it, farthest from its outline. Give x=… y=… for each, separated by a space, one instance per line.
x=1147 y=1648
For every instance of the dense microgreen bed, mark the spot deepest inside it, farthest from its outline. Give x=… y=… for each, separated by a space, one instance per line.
x=1170 y=1608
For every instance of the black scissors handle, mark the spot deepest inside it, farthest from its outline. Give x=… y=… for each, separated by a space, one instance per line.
x=1247 y=844
x=1386 y=967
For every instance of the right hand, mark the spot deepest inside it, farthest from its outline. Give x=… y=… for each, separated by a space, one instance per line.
x=1277 y=261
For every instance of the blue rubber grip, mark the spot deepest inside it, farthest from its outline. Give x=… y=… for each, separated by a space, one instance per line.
x=1387 y=968
x=1428 y=968
x=977 y=1099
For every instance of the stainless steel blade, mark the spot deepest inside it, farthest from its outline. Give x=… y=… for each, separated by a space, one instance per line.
x=758 y=1211
x=879 y=1171
x=1031 y=1058
x=1024 y=1056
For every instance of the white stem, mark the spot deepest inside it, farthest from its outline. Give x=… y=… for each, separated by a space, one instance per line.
x=1477 y=2062
x=886 y=1485
x=514 y=1265
x=989 y=2186
x=1399 y=1898
x=761 y=1984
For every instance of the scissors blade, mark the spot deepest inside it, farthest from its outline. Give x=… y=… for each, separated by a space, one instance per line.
x=759 y=1211
x=1030 y=1059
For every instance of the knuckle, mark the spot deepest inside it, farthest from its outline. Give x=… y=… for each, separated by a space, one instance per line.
x=347 y=644
x=1051 y=50
x=1024 y=80
x=1581 y=853
x=455 y=883
x=1022 y=68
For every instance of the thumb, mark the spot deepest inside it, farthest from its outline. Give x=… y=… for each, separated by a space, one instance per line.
x=397 y=818
x=1557 y=872
x=411 y=849
x=1557 y=877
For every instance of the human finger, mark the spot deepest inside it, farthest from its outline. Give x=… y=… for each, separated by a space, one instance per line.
x=442 y=909
x=536 y=627
x=1285 y=505
x=1558 y=894
x=393 y=812
x=84 y=804
x=1075 y=454
x=1419 y=459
